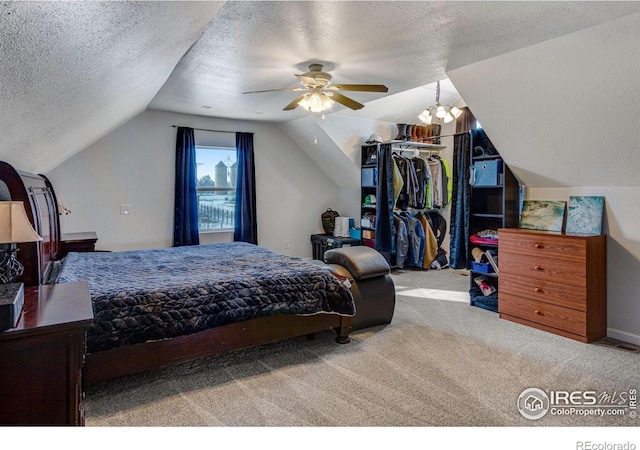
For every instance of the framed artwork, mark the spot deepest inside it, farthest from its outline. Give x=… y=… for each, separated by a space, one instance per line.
x=545 y=215
x=584 y=215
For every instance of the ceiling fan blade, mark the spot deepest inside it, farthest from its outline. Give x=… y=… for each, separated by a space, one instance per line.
x=277 y=90
x=360 y=87
x=346 y=101
x=294 y=103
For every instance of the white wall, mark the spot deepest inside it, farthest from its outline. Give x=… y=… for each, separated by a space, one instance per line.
x=135 y=165
x=623 y=253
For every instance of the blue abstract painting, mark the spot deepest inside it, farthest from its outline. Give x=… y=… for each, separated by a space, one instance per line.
x=543 y=215
x=585 y=215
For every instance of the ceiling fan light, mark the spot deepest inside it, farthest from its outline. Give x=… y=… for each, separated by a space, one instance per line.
x=327 y=102
x=316 y=102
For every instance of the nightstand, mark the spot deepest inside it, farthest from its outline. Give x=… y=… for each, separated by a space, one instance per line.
x=77 y=242
x=41 y=358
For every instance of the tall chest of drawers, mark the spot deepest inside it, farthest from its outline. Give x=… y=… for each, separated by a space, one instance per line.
x=554 y=282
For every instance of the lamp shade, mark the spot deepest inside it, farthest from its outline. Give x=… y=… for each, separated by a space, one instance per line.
x=14 y=224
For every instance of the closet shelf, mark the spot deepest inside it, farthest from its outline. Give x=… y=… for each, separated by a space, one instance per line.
x=411 y=145
x=489 y=216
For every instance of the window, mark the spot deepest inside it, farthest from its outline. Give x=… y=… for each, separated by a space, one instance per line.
x=216 y=170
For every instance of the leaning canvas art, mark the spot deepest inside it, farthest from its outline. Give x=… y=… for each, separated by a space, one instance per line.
x=545 y=215
x=584 y=215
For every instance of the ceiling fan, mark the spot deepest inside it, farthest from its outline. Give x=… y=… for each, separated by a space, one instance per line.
x=321 y=93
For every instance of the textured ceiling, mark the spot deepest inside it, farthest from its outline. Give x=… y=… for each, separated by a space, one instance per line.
x=73 y=71
x=260 y=45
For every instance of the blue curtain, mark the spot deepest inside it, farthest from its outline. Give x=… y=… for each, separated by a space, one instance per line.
x=459 y=230
x=245 y=220
x=185 y=225
x=384 y=197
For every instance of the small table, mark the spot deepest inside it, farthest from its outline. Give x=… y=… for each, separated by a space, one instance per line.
x=78 y=242
x=42 y=357
x=323 y=242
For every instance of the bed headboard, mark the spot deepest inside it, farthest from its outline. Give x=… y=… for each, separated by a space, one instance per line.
x=40 y=203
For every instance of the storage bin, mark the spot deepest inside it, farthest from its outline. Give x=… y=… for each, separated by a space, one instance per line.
x=369 y=243
x=486 y=173
x=481 y=267
x=370 y=177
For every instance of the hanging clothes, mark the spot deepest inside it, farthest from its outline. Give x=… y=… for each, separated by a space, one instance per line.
x=435 y=168
x=431 y=243
x=402 y=241
x=417 y=240
x=423 y=176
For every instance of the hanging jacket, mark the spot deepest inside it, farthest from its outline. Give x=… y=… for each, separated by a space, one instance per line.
x=402 y=241
x=431 y=243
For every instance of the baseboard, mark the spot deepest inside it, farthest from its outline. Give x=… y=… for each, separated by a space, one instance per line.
x=623 y=336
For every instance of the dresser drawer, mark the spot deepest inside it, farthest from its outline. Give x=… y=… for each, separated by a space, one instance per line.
x=543 y=245
x=565 y=319
x=561 y=294
x=540 y=268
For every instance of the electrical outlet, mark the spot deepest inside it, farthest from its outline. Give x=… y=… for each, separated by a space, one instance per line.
x=125 y=209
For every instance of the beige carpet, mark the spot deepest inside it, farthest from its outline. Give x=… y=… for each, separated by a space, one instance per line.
x=439 y=363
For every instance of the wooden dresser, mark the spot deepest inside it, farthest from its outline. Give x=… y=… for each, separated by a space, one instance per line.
x=41 y=358
x=554 y=282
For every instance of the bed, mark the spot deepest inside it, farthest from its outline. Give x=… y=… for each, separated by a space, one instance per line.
x=158 y=307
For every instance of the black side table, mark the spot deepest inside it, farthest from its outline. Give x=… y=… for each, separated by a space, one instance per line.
x=323 y=242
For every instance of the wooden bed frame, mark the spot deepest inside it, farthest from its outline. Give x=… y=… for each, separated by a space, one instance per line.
x=42 y=209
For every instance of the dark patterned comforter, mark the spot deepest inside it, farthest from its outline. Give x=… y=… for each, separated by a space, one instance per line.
x=156 y=294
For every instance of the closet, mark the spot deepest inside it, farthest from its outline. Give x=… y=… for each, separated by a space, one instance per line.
x=403 y=186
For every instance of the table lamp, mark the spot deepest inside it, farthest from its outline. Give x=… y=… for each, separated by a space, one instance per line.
x=14 y=228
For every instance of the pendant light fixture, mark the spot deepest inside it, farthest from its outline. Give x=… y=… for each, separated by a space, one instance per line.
x=445 y=113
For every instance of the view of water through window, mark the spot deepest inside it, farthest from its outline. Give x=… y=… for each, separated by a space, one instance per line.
x=216 y=170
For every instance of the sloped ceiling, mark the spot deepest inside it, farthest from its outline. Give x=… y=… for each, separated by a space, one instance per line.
x=564 y=112
x=73 y=71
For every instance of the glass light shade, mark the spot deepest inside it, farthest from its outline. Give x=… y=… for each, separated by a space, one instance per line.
x=425 y=116
x=455 y=112
x=440 y=112
x=448 y=118
x=316 y=102
x=14 y=224
x=327 y=102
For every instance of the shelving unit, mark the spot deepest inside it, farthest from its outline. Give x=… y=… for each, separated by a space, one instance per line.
x=491 y=207
x=368 y=186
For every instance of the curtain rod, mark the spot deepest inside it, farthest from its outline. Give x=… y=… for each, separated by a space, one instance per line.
x=204 y=129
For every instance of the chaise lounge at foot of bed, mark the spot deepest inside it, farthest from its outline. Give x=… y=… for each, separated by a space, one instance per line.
x=371 y=283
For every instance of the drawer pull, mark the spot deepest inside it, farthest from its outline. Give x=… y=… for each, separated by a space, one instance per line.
x=537 y=311
x=538 y=267
x=537 y=289
x=538 y=245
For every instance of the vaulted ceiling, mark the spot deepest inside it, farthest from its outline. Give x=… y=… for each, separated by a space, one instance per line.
x=72 y=72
